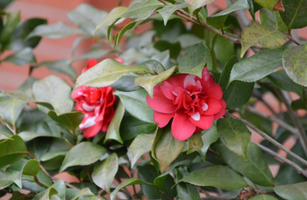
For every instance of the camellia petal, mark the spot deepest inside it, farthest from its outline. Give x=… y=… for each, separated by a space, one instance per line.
x=162 y=119
x=222 y=112
x=215 y=91
x=160 y=103
x=214 y=106
x=205 y=122
x=182 y=127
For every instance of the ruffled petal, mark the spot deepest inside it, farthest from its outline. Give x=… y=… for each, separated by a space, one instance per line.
x=214 y=106
x=205 y=122
x=206 y=77
x=215 y=91
x=91 y=63
x=92 y=131
x=159 y=102
x=182 y=127
x=162 y=119
x=222 y=112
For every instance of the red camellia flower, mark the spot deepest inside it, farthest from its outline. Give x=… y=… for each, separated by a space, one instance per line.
x=193 y=103
x=97 y=105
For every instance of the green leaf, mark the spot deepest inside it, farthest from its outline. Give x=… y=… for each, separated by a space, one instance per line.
x=295 y=13
x=131 y=181
x=49 y=193
x=272 y=19
x=126 y=28
x=263 y=197
x=55 y=91
x=296 y=191
x=167 y=148
x=173 y=48
x=51 y=155
x=267 y=37
x=140 y=145
x=194 y=59
x=5 y=3
x=142 y=10
x=60 y=66
x=216 y=176
x=208 y=137
x=10 y=109
x=148 y=82
x=148 y=173
x=113 y=129
x=105 y=172
x=195 y=143
x=54 y=31
x=135 y=103
x=7 y=178
x=238 y=5
x=11 y=22
x=31 y=168
x=68 y=120
x=235 y=136
x=294 y=62
x=83 y=192
x=257 y=66
x=169 y=9
x=84 y=153
x=223 y=49
x=19 y=40
x=254 y=168
x=271 y=4
x=12 y=150
x=186 y=191
x=105 y=73
x=22 y=57
x=111 y=18
x=195 y=4
x=94 y=53
x=85 y=21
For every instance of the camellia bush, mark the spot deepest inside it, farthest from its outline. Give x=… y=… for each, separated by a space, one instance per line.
x=171 y=116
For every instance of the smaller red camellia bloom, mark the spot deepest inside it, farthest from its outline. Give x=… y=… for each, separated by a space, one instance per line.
x=97 y=105
x=193 y=103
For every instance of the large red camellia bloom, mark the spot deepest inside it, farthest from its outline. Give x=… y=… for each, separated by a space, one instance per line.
x=193 y=103
x=97 y=105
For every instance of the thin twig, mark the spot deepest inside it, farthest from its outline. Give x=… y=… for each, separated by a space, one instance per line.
x=217 y=198
x=13 y=130
x=285 y=160
x=274 y=119
x=293 y=40
x=285 y=97
x=264 y=135
x=257 y=95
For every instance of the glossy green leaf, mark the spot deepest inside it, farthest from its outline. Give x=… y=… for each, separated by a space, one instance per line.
x=131 y=181
x=54 y=31
x=263 y=197
x=254 y=168
x=80 y=16
x=165 y=45
x=31 y=168
x=194 y=59
x=19 y=40
x=5 y=3
x=148 y=173
x=216 y=176
x=140 y=145
x=167 y=148
x=195 y=4
x=153 y=66
x=12 y=150
x=169 y=9
x=60 y=66
x=11 y=22
x=295 y=13
x=111 y=18
x=83 y=192
x=49 y=193
x=55 y=91
x=272 y=19
x=294 y=62
x=113 y=129
x=27 y=135
x=7 y=178
x=68 y=120
x=208 y=137
x=271 y=4
x=22 y=57
x=94 y=53
x=267 y=37
x=186 y=191
x=148 y=82
x=238 y=5
x=142 y=10
x=10 y=109
x=126 y=28
x=85 y=153
x=135 y=103
x=105 y=73
x=195 y=143
x=257 y=66
x=51 y=155
x=296 y=191
x=105 y=172
x=223 y=49
x=235 y=136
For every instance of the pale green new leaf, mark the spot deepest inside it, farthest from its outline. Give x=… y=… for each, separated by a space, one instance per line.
x=169 y=9
x=239 y=5
x=267 y=37
x=195 y=4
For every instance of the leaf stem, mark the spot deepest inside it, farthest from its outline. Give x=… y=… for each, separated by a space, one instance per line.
x=13 y=130
x=280 y=158
x=264 y=135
